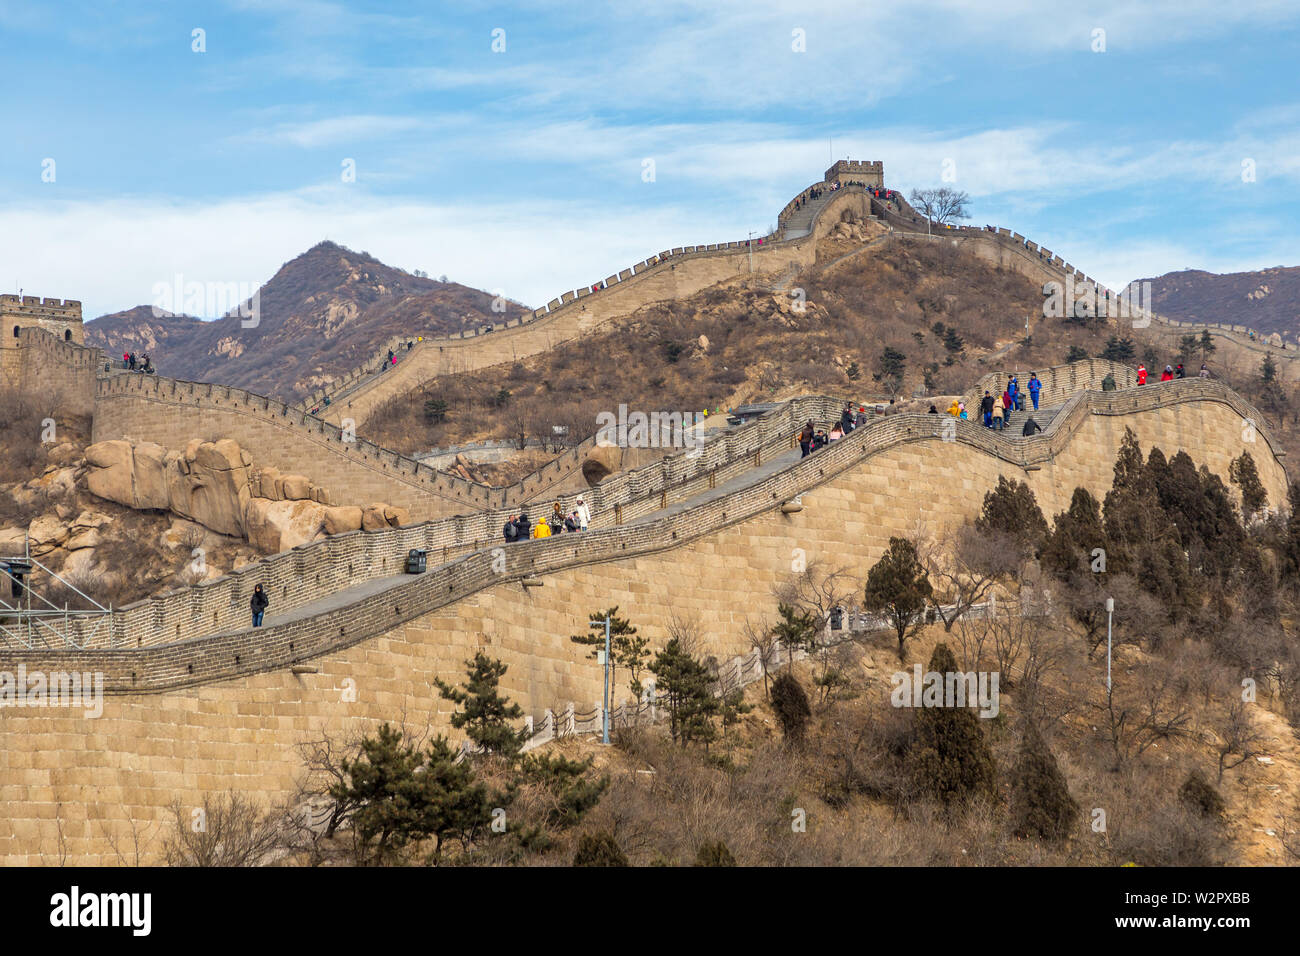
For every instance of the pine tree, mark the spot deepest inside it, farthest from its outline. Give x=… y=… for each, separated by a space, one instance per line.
x=1041 y=805
x=1243 y=473
x=1012 y=509
x=949 y=758
x=687 y=685
x=626 y=647
x=899 y=588
x=400 y=796
x=485 y=711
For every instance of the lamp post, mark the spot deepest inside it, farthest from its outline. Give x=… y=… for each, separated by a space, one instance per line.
x=751 y=251
x=1110 y=610
x=604 y=700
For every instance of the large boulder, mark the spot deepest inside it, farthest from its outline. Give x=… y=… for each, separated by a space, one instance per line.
x=296 y=487
x=111 y=475
x=47 y=533
x=150 y=464
x=275 y=526
x=373 y=519
x=342 y=519
x=209 y=484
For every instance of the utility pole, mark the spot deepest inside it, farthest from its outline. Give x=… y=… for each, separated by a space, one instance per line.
x=751 y=251
x=604 y=700
x=1110 y=610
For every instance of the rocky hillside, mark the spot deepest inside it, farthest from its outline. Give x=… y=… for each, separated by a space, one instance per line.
x=1267 y=300
x=319 y=316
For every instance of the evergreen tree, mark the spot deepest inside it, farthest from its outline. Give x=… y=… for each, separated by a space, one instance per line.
x=1268 y=370
x=1199 y=794
x=714 y=853
x=570 y=791
x=1207 y=345
x=1069 y=550
x=402 y=797
x=485 y=711
x=688 y=687
x=790 y=704
x=796 y=630
x=899 y=588
x=1012 y=509
x=627 y=648
x=1041 y=805
x=1118 y=349
x=600 y=849
x=949 y=759
x=1243 y=473
x=1076 y=354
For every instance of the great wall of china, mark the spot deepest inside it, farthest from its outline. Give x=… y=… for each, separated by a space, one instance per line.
x=195 y=701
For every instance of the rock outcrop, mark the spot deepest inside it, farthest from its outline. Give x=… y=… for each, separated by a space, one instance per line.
x=216 y=484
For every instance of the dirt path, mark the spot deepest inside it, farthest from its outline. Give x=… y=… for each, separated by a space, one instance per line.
x=1263 y=794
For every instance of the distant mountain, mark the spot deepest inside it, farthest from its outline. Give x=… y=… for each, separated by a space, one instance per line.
x=1267 y=301
x=320 y=316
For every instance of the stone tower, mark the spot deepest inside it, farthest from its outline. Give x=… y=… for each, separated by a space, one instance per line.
x=855 y=171
x=60 y=318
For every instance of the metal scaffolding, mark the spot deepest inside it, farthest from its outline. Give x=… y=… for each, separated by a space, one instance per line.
x=31 y=620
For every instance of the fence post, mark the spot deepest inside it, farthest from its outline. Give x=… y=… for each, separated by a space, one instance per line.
x=568 y=718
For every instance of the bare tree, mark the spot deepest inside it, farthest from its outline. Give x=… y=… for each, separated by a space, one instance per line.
x=762 y=639
x=230 y=829
x=943 y=205
x=965 y=566
x=1239 y=741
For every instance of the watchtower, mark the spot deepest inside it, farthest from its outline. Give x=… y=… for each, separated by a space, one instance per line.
x=60 y=318
x=847 y=171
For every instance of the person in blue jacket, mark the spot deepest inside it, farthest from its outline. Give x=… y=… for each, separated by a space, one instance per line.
x=1035 y=386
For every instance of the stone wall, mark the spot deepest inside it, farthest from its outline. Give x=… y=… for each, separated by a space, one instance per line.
x=42 y=364
x=226 y=713
x=673 y=274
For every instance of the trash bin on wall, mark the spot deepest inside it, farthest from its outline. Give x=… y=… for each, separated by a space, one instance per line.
x=417 y=561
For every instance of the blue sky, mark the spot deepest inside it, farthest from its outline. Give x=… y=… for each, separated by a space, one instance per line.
x=521 y=170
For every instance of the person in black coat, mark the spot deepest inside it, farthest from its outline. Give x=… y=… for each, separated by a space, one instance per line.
x=259 y=603
x=523 y=527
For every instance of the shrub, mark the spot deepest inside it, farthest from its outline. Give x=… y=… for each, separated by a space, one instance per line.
x=790 y=704
x=714 y=853
x=599 y=849
x=1199 y=794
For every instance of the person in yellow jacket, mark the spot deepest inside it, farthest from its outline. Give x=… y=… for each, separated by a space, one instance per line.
x=955 y=408
x=543 y=530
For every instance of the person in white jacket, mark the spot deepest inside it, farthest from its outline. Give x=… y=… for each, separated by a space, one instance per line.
x=584 y=513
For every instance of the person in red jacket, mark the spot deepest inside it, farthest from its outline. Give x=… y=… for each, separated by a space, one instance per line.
x=1142 y=374
x=1168 y=374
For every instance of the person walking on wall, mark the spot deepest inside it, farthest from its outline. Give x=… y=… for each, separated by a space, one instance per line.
x=1142 y=374
x=584 y=513
x=510 y=531
x=1168 y=374
x=986 y=409
x=1035 y=386
x=258 y=603
x=999 y=409
x=543 y=530
x=805 y=439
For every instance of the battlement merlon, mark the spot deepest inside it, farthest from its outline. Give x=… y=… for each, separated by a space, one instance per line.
x=870 y=173
x=35 y=306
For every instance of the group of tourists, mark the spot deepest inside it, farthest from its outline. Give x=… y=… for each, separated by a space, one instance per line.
x=812 y=438
x=1170 y=373
x=996 y=410
x=141 y=364
x=520 y=527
